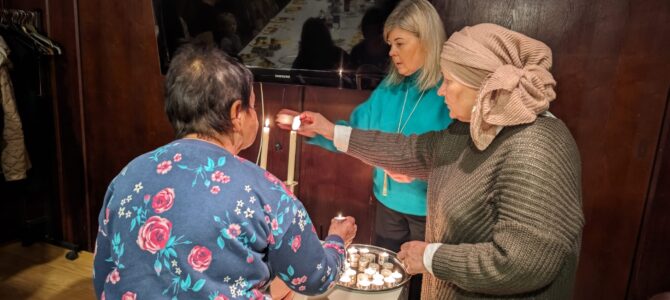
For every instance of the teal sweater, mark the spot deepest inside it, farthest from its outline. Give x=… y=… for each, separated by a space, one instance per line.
x=382 y=112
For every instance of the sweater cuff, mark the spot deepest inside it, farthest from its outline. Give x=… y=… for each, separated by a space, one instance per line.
x=341 y=137
x=428 y=256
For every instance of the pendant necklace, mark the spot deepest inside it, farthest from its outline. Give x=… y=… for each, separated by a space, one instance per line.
x=400 y=129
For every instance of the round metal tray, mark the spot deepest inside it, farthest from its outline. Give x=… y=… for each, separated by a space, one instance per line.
x=393 y=257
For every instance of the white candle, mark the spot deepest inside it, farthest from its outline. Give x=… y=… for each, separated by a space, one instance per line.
x=377 y=284
x=383 y=258
x=291 y=152
x=364 y=284
x=364 y=250
x=265 y=139
x=389 y=281
x=396 y=275
x=339 y=217
x=352 y=250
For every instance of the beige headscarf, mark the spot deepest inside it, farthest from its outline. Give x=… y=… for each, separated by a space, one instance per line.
x=510 y=72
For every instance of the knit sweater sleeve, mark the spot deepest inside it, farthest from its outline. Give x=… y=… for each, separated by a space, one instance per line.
x=537 y=200
x=409 y=155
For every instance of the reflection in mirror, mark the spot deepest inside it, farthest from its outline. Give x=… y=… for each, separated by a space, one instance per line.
x=317 y=42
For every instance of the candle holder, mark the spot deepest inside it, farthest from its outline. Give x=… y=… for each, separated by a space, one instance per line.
x=372 y=269
x=291 y=185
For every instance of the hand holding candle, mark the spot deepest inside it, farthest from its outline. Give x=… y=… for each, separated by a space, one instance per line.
x=345 y=229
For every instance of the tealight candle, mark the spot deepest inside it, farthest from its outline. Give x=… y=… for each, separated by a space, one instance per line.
x=345 y=280
x=377 y=284
x=363 y=284
x=396 y=275
x=352 y=250
x=364 y=250
x=370 y=272
x=386 y=272
x=339 y=218
x=378 y=276
x=387 y=266
x=389 y=282
x=361 y=277
x=350 y=272
x=383 y=258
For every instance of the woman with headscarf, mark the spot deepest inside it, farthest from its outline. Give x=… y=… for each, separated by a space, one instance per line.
x=405 y=102
x=504 y=189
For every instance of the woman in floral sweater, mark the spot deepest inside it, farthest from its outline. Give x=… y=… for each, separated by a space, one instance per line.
x=192 y=220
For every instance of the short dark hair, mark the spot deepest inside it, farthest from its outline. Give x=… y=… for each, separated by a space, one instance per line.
x=201 y=86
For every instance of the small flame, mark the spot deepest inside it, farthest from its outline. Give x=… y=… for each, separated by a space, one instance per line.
x=296 y=123
x=267 y=122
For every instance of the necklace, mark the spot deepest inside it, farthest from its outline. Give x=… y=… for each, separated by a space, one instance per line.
x=401 y=128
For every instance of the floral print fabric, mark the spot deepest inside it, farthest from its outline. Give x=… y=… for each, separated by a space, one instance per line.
x=191 y=221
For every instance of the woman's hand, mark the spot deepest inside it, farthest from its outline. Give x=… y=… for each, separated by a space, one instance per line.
x=346 y=229
x=399 y=177
x=313 y=123
x=411 y=255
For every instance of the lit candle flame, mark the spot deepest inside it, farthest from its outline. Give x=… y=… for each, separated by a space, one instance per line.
x=296 y=123
x=267 y=122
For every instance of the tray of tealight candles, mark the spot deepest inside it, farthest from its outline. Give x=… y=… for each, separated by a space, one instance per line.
x=372 y=269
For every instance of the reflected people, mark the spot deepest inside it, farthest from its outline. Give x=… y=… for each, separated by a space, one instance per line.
x=317 y=51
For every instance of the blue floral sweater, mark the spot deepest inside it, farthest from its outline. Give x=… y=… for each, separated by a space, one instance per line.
x=192 y=221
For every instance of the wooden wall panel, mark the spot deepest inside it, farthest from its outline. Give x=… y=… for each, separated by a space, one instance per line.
x=332 y=182
x=123 y=91
x=651 y=274
x=66 y=86
x=610 y=59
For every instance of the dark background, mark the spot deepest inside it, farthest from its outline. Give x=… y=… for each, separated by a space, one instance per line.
x=611 y=62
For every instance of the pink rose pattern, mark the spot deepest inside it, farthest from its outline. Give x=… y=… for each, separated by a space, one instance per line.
x=129 y=296
x=215 y=189
x=200 y=258
x=218 y=176
x=295 y=244
x=163 y=201
x=154 y=236
x=113 y=277
x=164 y=167
x=234 y=230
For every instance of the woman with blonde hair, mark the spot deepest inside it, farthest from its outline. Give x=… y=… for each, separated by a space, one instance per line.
x=505 y=212
x=405 y=102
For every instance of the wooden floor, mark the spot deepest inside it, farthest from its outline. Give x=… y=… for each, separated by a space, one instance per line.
x=41 y=271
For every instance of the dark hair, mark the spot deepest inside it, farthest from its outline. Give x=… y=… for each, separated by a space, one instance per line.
x=201 y=86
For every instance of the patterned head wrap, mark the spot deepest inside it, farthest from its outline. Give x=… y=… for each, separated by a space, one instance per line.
x=510 y=72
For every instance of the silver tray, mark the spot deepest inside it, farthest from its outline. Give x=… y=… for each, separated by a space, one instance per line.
x=397 y=265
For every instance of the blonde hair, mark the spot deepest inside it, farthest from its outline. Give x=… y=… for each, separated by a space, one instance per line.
x=420 y=18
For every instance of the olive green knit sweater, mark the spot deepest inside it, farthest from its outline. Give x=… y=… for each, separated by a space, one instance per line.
x=510 y=217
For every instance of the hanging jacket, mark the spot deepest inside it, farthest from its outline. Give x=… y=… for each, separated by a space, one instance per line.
x=14 y=156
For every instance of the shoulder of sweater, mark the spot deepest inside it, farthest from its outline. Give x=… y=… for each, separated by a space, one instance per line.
x=548 y=132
